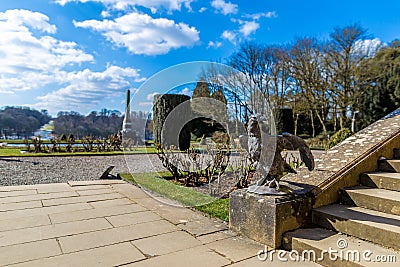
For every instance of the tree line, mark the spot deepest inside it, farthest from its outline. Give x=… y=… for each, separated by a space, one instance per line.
x=326 y=83
x=97 y=124
x=21 y=122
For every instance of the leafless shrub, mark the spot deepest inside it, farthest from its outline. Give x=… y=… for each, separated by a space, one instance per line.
x=197 y=164
x=169 y=160
x=242 y=170
x=87 y=143
x=37 y=143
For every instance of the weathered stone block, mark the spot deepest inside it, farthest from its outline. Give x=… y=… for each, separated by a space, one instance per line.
x=266 y=218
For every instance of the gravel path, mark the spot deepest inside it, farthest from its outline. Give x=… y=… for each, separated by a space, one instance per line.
x=39 y=170
x=35 y=170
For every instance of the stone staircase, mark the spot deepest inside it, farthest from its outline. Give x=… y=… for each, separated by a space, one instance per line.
x=363 y=228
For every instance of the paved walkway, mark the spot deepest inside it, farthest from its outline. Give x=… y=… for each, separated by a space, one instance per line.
x=112 y=223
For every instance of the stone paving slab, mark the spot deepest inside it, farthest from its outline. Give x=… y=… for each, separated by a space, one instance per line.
x=80 y=199
x=113 y=255
x=174 y=214
x=95 y=192
x=133 y=218
x=52 y=188
x=203 y=226
x=200 y=256
x=114 y=235
x=130 y=191
x=166 y=243
x=29 y=251
x=41 y=188
x=94 y=213
x=15 y=214
x=26 y=198
x=110 y=203
x=20 y=205
x=52 y=231
x=213 y=237
x=136 y=229
x=17 y=188
x=18 y=193
x=25 y=222
x=236 y=248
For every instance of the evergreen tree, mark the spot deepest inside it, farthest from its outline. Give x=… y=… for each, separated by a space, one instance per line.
x=219 y=95
x=201 y=89
x=381 y=87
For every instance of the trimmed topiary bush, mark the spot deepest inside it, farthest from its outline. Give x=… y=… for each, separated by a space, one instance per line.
x=284 y=121
x=166 y=136
x=338 y=137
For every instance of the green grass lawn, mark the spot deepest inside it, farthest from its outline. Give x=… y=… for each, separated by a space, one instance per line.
x=157 y=183
x=6 y=152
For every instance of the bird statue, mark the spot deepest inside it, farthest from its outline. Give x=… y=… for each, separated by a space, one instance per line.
x=265 y=151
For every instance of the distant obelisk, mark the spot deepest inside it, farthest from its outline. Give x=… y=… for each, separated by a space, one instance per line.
x=127 y=124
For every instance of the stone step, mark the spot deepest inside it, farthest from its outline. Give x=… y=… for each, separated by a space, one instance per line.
x=384 y=180
x=315 y=243
x=373 y=198
x=389 y=165
x=375 y=226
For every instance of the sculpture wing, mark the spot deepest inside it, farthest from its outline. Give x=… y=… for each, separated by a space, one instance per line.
x=293 y=142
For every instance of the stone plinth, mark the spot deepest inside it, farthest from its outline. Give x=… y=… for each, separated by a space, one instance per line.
x=266 y=218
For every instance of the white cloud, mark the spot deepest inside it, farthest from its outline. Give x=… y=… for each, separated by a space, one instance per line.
x=153 y=5
x=18 y=18
x=203 y=9
x=150 y=97
x=28 y=60
x=32 y=59
x=368 y=47
x=224 y=7
x=105 y=14
x=145 y=104
x=230 y=36
x=257 y=16
x=86 y=89
x=249 y=27
x=142 y=34
x=186 y=91
x=215 y=44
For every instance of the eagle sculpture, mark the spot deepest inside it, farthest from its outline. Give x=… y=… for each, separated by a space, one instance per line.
x=262 y=147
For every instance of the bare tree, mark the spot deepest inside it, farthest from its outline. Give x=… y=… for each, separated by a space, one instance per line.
x=308 y=70
x=279 y=82
x=254 y=61
x=343 y=59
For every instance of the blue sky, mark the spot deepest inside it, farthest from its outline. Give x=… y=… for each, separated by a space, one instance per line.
x=82 y=55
